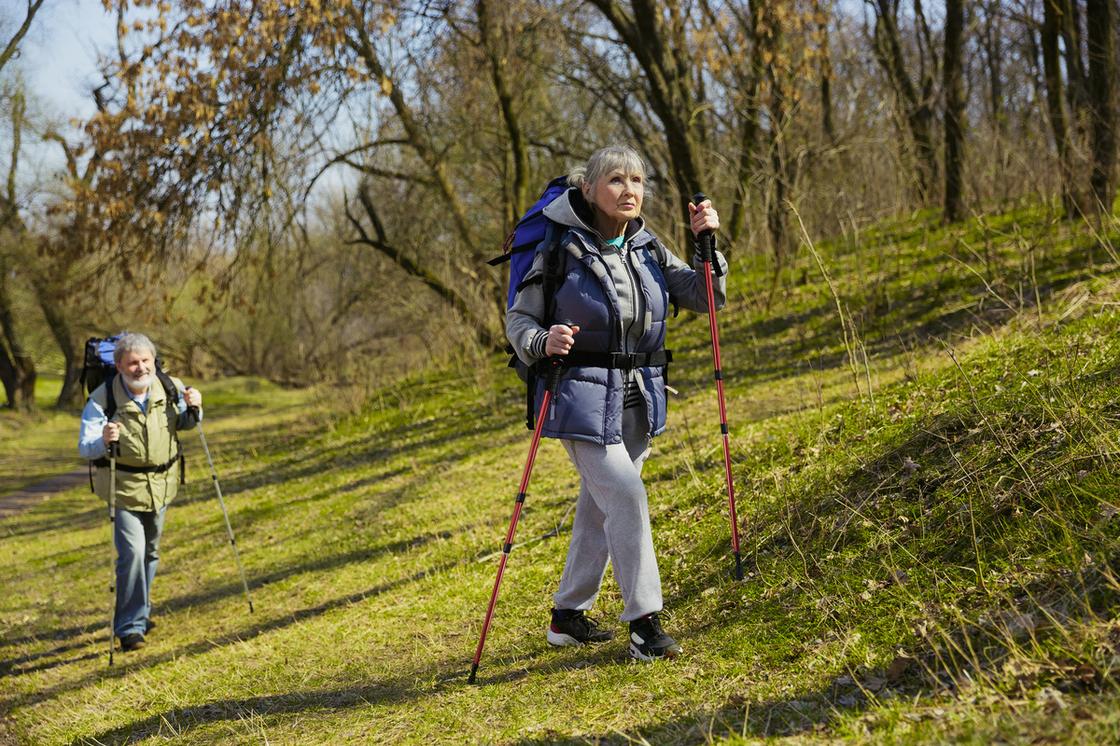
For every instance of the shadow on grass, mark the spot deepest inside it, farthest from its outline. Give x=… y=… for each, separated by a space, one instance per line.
x=12 y=667
x=449 y=673
x=321 y=563
x=176 y=721
x=146 y=659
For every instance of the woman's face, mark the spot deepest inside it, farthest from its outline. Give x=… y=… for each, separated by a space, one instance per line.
x=618 y=195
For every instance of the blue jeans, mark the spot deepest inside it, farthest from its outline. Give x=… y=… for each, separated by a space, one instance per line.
x=136 y=535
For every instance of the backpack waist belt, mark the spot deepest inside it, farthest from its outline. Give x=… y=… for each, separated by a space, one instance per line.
x=104 y=462
x=618 y=360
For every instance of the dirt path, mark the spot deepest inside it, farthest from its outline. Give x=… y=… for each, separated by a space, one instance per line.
x=28 y=496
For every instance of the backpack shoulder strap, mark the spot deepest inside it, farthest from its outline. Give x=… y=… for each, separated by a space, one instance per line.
x=172 y=395
x=553 y=268
x=110 y=397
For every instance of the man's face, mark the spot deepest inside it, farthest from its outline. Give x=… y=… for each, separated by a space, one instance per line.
x=136 y=367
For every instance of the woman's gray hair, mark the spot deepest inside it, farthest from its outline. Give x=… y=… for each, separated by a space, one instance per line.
x=131 y=342
x=604 y=160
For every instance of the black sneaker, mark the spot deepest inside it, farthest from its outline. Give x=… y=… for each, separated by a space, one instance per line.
x=648 y=642
x=572 y=627
x=134 y=641
x=149 y=626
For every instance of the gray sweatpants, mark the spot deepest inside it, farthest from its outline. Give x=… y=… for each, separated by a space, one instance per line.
x=612 y=522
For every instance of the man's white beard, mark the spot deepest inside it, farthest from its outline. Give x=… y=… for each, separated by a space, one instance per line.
x=138 y=385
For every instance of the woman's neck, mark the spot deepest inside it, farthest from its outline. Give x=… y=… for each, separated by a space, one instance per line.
x=608 y=228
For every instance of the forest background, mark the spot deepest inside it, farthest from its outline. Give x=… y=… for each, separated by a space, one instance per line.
x=308 y=191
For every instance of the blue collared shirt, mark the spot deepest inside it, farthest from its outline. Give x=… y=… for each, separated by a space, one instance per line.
x=91 y=443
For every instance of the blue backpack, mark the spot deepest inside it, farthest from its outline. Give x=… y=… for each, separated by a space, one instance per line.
x=531 y=231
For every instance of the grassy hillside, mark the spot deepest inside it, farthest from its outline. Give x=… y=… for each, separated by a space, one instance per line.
x=35 y=447
x=924 y=452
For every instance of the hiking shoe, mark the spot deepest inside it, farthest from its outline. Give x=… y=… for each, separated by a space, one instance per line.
x=134 y=641
x=573 y=627
x=149 y=626
x=648 y=642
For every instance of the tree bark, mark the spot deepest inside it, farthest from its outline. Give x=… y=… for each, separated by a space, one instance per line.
x=954 y=110
x=662 y=55
x=13 y=43
x=17 y=369
x=915 y=104
x=1100 y=16
x=518 y=186
x=362 y=45
x=50 y=302
x=1055 y=103
x=823 y=15
x=446 y=292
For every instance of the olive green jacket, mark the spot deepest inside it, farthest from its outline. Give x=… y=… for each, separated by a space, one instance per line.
x=146 y=439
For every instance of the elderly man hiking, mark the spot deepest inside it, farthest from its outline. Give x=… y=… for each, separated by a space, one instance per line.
x=141 y=410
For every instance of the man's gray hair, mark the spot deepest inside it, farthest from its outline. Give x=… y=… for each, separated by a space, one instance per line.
x=605 y=160
x=131 y=342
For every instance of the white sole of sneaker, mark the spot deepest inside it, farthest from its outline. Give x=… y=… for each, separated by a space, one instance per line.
x=638 y=655
x=560 y=640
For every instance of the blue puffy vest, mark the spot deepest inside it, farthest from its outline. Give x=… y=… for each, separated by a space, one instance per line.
x=587 y=404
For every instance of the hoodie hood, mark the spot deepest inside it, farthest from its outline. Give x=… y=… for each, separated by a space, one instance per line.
x=571 y=210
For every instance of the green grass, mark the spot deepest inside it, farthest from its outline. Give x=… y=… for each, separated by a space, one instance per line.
x=929 y=516
x=36 y=446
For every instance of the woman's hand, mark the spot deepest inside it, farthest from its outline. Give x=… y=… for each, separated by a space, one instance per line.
x=561 y=337
x=703 y=217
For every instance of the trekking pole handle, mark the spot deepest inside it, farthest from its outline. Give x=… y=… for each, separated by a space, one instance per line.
x=706 y=241
x=115 y=449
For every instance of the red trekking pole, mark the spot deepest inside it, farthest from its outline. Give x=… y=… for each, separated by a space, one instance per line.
x=546 y=400
x=707 y=245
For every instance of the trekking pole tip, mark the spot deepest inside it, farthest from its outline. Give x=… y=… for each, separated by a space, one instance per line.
x=474 y=670
x=738 y=566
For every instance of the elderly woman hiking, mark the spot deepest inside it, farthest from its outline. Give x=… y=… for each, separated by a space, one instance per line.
x=606 y=320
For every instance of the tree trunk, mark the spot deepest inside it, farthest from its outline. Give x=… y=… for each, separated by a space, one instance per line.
x=776 y=214
x=492 y=45
x=1100 y=16
x=449 y=294
x=954 y=109
x=49 y=299
x=17 y=369
x=1055 y=103
x=749 y=121
x=823 y=15
x=914 y=104
x=10 y=48
x=661 y=53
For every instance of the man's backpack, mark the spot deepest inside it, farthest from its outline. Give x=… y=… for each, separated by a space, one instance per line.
x=99 y=368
